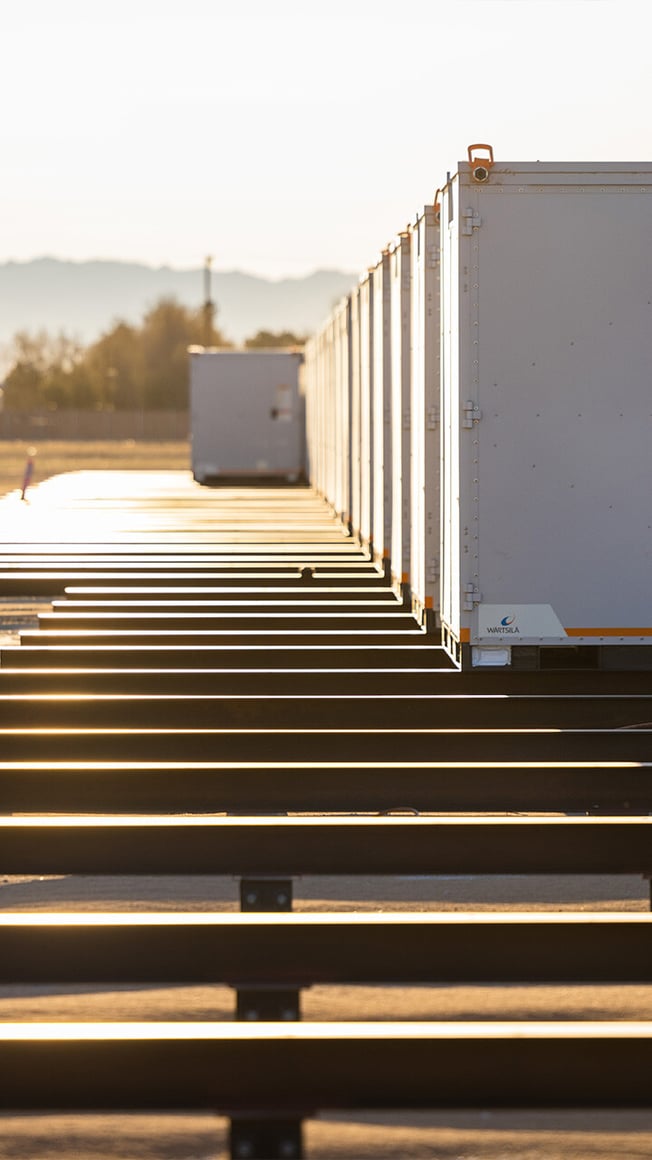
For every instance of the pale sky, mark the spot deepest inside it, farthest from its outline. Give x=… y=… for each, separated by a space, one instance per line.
x=283 y=136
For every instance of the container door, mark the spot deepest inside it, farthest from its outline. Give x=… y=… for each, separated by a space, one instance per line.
x=425 y=412
x=341 y=410
x=366 y=417
x=400 y=321
x=356 y=415
x=382 y=426
x=558 y=350
x=450 y=427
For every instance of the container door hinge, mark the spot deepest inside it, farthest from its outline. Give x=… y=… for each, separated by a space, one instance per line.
x=432 y=418
x=472 y=596
x=433 y=569
x=406 y=419
x=432 y=257
x=471 y=413
x=471 y=221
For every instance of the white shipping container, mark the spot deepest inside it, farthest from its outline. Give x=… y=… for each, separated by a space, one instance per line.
x=400 y=277
x=355 y=428
x=314 y=354
x=382 y=413
x=546 y=409
x=247 y=416
x=342 y=409
x=425 y=418
x=366 y=416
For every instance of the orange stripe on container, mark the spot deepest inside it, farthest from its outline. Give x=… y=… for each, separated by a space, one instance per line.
x=405 y=576
x=428 y=602
x=385 y=554
x=465 y=635
x=609 y=631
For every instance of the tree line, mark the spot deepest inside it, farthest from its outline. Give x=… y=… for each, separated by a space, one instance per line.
x=130 y=367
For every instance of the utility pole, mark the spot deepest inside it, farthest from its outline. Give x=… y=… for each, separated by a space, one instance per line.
x=209 y=305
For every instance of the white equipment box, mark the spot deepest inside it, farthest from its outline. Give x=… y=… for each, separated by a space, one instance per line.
x=247 y=415
x=546 y=408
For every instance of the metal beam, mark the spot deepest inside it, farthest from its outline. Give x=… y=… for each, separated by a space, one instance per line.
x=288 y=1067
x=161 y=595
x=277 y=708
x=47 y=581
x=183 y=650
x=392 y=620
x=298 y=950
x=390 y=748
x=243 y=787
x=355 y=677
x=286 y=847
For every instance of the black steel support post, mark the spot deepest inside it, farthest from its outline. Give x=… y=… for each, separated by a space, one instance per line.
x=265 y=894
x=254 y=1139
x=266 y=1137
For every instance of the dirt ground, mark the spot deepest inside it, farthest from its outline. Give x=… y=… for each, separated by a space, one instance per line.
x=54 y=457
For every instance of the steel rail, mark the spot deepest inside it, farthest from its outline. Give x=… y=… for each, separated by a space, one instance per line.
x=49 y=582
x=390 y=748
x=157 y=650
x=353 y=679
x=277 y=708
x=290 y=846
x=281 y=786
x=300 y=950
x=279 y=1067
x=392 y=620
x=318 y=597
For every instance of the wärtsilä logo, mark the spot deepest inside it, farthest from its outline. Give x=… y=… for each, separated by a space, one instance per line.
x=506 y=626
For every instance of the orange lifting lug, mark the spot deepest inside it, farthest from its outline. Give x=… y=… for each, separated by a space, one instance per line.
x=481 y=165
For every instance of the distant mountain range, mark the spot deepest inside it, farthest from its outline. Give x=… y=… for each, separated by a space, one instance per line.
x=85 y=298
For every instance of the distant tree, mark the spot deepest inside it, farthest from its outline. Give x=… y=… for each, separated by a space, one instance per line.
x=113 y=365
x=146 y=367
x=127 y=368
x=167 y=331
x=268 y=338
x=46 y=373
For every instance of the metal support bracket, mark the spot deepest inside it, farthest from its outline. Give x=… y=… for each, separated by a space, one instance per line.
x=471 y=414
x=266 y=1139
x=471 y=221
x=268 y=1004
x=471 y=597
x=265 y=894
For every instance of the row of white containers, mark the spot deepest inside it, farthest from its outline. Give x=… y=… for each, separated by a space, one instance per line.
x=479 y=412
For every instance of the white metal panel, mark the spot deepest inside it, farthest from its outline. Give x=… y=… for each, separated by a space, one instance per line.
x=343 y=408
x=356 y=414
x=382 y=418
x=247 y=417
x=366 y=418
x=310 y=355
x=400 y=276
x=425 y=414
x=327 y=416
x=450 y=609
x=548 y=367
x=314 y=371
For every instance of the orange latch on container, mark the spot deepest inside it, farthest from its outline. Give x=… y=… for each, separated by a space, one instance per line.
x=482 y=164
